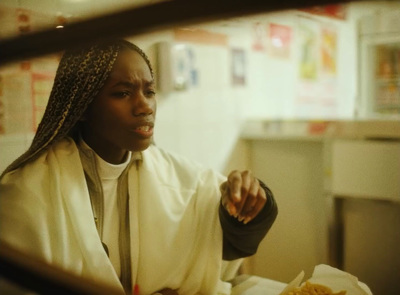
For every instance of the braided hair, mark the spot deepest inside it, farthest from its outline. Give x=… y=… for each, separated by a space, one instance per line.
x=80 y=76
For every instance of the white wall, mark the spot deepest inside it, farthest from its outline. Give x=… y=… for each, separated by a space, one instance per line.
x=298 y=240
x=204 y=122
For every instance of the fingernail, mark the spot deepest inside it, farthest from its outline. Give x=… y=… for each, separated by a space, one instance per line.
x=246 y=220
x=232 y=210
x=241 y=218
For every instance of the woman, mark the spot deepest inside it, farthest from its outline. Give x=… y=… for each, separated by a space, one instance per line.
x=94 y=196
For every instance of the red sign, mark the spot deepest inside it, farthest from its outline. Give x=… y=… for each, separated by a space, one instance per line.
x=335 y=10
x=280 y=38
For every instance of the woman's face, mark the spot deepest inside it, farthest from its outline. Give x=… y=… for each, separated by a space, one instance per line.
x=121 y=117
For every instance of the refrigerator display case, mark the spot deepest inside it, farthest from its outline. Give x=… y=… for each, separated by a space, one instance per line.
x=379 y=66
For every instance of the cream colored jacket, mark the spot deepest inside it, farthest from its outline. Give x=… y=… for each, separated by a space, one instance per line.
x=175 y=234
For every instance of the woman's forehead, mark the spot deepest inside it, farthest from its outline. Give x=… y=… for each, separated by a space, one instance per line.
x=130 y=64
x=130 y=56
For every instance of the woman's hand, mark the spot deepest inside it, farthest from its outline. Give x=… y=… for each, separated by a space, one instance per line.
x=242 y=195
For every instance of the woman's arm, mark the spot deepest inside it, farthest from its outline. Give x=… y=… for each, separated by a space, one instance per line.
x=242 y=240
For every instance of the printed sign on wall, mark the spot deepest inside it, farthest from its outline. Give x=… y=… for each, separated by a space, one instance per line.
x=280 y=38
x=317 y=84
x=238 y=67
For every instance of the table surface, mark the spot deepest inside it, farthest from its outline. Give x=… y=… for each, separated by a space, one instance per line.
x=254 y=285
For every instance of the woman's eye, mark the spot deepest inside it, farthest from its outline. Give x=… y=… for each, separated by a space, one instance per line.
x=150 y=93
x=121 y=94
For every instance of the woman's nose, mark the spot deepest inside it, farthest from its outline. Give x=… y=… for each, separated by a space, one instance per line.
x=142 y=105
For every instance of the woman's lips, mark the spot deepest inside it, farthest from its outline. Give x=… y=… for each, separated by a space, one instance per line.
x=145 y=131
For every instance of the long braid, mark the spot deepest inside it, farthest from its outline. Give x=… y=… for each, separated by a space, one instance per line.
x=80 y=76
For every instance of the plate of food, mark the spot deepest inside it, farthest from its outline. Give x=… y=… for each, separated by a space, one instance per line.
x=326 y=280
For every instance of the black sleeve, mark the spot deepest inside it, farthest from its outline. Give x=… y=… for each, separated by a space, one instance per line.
x=242 y=240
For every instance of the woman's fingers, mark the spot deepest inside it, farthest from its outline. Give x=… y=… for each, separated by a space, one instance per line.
x=242 y=195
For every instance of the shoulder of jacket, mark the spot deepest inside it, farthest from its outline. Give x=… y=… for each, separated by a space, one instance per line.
x=170 y=158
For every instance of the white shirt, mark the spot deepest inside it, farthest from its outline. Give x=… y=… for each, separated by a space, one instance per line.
x=109 y=174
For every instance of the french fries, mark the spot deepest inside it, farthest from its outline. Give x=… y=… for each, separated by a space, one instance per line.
x=314 y=289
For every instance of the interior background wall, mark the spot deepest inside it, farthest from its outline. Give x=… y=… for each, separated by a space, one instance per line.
x=204 y=121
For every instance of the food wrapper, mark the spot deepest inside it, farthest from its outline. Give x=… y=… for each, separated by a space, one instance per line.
x=333 y=278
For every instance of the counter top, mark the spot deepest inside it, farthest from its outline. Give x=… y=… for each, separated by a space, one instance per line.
x=320 y=130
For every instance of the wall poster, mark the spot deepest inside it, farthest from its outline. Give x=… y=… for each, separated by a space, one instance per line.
x=16 y=117
x=259 y=37
x=238 y=67
x=41 y=88
x=280 y=40
x=317 y=86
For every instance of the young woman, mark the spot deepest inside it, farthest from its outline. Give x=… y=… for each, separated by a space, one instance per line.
x=95 y=196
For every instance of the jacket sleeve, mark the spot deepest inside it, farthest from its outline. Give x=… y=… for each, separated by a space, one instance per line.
x=242 y=240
